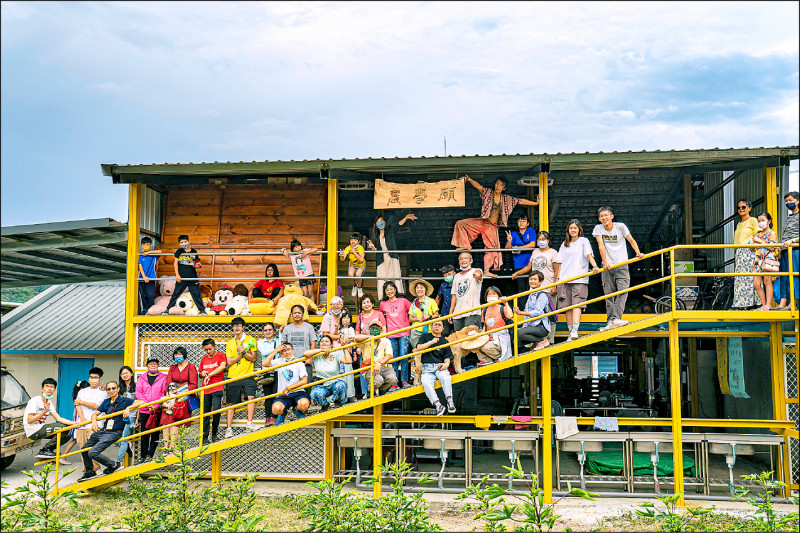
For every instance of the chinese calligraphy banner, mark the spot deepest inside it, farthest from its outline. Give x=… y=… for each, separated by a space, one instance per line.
x=448 y=193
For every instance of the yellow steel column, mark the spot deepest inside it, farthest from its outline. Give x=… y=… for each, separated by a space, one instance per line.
x=377 y=448
x=216 y=466
x=547 y=432
x=328 y=450
x=132 y=272
x=675 y=404
x=333 y=237
x=544 y=223
x=771 y=191
x=779 y=391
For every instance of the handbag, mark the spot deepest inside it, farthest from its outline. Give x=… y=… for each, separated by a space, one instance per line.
x=155 y=416
x=194 y=403
x=770 y=264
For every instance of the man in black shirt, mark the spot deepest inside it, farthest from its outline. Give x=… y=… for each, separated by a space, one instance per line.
x=434 y=366
x=186 y=263
x=103 y=438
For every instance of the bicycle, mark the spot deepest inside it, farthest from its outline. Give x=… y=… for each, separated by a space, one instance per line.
x=664 y=303
x=715 y=294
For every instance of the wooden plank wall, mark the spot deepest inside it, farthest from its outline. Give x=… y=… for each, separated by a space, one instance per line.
x=224 y=218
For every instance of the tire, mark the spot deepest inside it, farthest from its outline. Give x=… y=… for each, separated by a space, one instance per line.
x=663 y=305
x=6 y=461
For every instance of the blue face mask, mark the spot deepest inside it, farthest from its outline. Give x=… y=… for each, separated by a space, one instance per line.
x=48 y=396
x=178 y=359
x=791 y=205
x=381 y=225
x=336 y=312
x=448 y=279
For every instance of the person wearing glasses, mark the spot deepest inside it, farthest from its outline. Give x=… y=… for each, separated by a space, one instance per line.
x=744 y=293
x=106 y=432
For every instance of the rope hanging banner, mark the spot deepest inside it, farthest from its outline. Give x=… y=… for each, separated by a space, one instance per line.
x=447 y=193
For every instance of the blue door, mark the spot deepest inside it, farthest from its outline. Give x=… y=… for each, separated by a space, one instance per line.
x=70 y=372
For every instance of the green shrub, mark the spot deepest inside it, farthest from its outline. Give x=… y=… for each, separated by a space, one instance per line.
x=493 y=509
x=332 y=509
x=765 y=516
x=35 y=506
x=177 y=501
x=671 y=518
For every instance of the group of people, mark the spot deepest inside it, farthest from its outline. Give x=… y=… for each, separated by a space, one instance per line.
x=748 y=291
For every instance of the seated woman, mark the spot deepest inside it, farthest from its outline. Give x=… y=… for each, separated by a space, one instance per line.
x=326 y=362
x=269 y=287
x=496 y=316
x=434 y=366
x=536 y=331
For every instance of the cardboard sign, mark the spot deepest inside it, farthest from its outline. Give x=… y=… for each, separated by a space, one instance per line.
x=448 y=193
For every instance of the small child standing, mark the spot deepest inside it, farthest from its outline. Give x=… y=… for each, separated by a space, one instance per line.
x=355 y=253
x=301 y=264
x=765 y=259
x=186 y=263
x=147 y=275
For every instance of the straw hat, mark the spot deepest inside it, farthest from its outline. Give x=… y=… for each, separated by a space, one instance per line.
x=412 y=287
x=474 y=341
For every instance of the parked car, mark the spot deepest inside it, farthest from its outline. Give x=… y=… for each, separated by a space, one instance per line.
x=12 y=435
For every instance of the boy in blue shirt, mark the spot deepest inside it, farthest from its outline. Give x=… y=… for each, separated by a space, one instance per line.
x=147 y=275
x=444 y=295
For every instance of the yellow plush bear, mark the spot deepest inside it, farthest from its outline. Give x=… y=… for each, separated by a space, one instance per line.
x=261 y=306
x=292 y=295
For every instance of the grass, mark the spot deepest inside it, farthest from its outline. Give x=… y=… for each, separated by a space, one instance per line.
x=716 y=521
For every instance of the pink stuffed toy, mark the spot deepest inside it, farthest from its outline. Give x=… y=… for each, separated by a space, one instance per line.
x=165 y=288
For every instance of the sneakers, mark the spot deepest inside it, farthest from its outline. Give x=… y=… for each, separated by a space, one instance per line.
x=393 y=388
x=112 y=469
x=249 y=426
x=440 y=409
x=611 y=324
x=573 y=336
x=451 y=407
x=271 y=421
x=618 y=322
x=143 y=459
x=366 y=396
x=228 y=433
x=87 y=475
x=483 y=363
x=406 y=384
x=46 y=454
x=542 y=344
x=360 y=292
x=64 y=462
x=354 y=292
x=280 y=420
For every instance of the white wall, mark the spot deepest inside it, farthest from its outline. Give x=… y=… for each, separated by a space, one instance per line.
x=31 y=369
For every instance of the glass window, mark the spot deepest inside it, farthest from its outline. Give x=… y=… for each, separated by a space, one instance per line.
x=13 y=394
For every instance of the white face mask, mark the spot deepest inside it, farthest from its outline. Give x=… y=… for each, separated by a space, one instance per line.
x=541 y=244
x=491 y=298
x=763 y=224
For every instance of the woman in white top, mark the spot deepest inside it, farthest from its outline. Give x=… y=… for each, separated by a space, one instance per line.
x=574 y=257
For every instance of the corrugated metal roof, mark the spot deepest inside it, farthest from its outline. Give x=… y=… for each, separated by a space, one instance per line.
x=80 y=316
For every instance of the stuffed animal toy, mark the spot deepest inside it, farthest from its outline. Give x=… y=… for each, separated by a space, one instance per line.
x=165 y=288
x=237 y=306
x=261 y=306
x=185 y=305
x=207 y=294
x=223 y=295
x=240 y=289
x=172 y=390
x=292 y=295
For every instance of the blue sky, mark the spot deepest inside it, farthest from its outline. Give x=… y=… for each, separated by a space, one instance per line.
x=153 y=82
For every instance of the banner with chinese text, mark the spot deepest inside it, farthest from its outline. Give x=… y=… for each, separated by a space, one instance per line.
x=448 y=193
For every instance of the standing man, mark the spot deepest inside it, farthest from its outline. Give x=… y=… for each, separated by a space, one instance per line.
x=496 y=207
x=466 y=293
x=611 y=237
x=104 y=437
x=241 y=353
x=89 y=399
x=35 y=420
x=266 y=346
x=789 y=236
x=212 y=370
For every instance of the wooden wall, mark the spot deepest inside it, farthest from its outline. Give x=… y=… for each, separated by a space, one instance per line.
x=224 y=218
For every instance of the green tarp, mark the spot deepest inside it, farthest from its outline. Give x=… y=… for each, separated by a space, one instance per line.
x=610 y=463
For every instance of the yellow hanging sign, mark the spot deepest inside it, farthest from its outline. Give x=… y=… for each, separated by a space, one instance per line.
x=447 y=193
x=722 y=365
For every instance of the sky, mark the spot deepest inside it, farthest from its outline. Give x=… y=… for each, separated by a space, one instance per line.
x=85 y=83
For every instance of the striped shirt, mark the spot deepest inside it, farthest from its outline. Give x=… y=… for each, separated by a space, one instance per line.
x=507 y=204
x=790 y=230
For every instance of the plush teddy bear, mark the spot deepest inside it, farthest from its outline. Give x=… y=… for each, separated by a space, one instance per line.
x=223 y=295
x=238 y=305
x=292 y=295
x=261 y=306
x=207 y=295
x=185 y=305
x=240 y=289
x=165 y=288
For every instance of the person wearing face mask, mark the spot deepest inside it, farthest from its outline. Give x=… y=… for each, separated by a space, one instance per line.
x=147 y=275
x=385 y=377
x=765 y=259
x=382 y=237
x=523 y=239
x=184 y=374
x=149 y=387
x=789 y=237
x=36 y=419
x=542 y=260
x=330 y=327
x=88 y=400
x=186 y=263
x=466 y=293
x=444 y=296
x=495 y=317
x=744 y=293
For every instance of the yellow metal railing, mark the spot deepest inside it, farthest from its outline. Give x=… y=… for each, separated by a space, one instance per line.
x=372 y=340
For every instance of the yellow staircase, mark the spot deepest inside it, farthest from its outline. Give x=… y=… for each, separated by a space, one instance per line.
x=353 y=407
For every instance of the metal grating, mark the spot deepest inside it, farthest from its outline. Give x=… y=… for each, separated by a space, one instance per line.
x=793 y=413
x=790 y=371
x=299 y=453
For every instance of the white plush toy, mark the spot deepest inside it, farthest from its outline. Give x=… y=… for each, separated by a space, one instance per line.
x=185 y=305
x=238 y=305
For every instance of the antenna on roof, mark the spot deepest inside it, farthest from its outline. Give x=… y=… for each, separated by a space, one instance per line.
x=445 y=146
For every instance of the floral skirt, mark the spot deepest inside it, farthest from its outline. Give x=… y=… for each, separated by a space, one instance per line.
x=744 y=294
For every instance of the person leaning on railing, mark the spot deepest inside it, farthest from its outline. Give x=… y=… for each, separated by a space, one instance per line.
x=106 y=432
x=535 y=333
x=381 y=350
x=149 y=387
x=764 y=259
x=326 y=361
x=789 y=236
x=744 y=293
x=573 y=259
x=291 y=380
x=434 y=365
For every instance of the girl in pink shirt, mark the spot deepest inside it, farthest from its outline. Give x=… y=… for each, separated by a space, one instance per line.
x=396 y=311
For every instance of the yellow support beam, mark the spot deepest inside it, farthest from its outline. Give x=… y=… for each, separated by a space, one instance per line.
x=328 y=450
x=132 y=271
x=544 y=203
x=779 y=391
x=547 y=432
x=333 y=237
x=771 y=191
x=675 y=407
x=377 y=449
